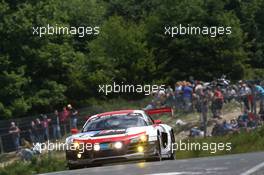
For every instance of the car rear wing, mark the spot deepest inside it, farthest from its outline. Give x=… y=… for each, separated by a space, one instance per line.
x=160 y=111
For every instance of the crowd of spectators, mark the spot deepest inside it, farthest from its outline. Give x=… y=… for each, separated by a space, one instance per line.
x=247 y=121
x=208 y=98
x=41 y=127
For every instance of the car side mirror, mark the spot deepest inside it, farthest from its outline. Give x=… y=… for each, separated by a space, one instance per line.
x=74 y=131
x=157 y=122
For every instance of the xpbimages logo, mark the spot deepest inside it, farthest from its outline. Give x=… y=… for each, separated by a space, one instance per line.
x=80 y=31
x=211 y=147
x=129 y=88
x=212 y=31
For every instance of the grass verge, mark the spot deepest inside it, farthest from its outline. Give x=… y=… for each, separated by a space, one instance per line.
x=243 y=142
x=40 y=164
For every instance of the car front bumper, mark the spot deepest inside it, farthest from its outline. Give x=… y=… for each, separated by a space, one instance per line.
x=129 y=152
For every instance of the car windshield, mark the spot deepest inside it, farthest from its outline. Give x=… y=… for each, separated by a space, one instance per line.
x=115 y=122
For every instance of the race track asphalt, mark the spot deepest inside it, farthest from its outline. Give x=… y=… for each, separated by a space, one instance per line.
x=244 y=164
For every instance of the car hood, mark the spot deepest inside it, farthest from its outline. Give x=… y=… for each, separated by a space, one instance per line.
x=90 y=135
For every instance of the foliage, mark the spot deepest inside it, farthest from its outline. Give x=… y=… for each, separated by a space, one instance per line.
x=38 y=74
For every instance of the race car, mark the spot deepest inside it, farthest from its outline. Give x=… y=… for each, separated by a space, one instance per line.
x=118 y=136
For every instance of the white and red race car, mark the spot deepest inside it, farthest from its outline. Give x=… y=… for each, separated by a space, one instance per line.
x=120 y=135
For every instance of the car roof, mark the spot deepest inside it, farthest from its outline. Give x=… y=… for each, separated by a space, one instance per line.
x=120 y=112
x=115 y=112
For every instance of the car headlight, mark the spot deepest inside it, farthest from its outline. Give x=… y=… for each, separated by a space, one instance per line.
x=76 y=145
x=96 y=147
x=141 y=138
x=140 y=149
x=118 y=145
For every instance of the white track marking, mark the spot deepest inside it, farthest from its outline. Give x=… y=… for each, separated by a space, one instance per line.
x=176 y=173
x=254 y=169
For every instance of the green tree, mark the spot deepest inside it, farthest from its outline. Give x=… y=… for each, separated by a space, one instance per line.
x=120 y=53
x=201 y=56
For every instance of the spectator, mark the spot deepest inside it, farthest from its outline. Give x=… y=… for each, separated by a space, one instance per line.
x=250 y=97
x=227 y=127
x=33 y=132
x=218 y=130
x=196 y=99
x=73 y=116
x=151 y=105
x=244 y=93
x=169 y=96
x=254 y=99
x=230 y=94
x=217 y=103
x=56 y=125
x=187 y=96
x=261 y=115
x=64 y=115
x=196 y=132
x=234 y=124
x=203 y=96
x=28 y=150
x=169 y=90
x=15 y=132
x=178 y=95
x=260 y=92
x=40 y=131
x=243 y=119
x=45 y=124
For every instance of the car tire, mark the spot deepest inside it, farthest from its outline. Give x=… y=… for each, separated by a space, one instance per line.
x=172 y=153
x=74 y=167
x=158 y=156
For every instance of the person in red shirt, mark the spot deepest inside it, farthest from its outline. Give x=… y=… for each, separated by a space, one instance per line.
x=217 y=103
x=64 y=115
x=45 y=124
